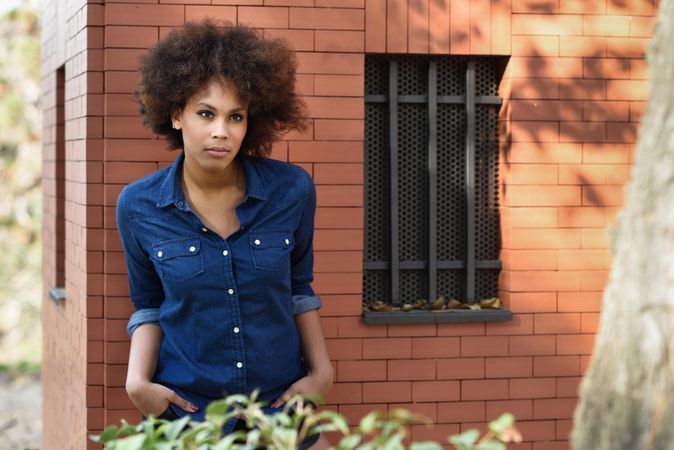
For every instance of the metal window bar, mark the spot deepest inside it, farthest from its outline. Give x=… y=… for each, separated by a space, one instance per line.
x=432 y=99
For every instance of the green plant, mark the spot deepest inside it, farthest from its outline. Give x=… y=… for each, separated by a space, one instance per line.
x=286 y=429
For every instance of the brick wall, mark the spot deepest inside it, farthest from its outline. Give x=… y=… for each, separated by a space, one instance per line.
x=573 y=92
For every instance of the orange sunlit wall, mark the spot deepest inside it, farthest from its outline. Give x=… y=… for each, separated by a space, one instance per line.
x=574 y=88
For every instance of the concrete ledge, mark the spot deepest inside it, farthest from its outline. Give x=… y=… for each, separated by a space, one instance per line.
x=454 y=316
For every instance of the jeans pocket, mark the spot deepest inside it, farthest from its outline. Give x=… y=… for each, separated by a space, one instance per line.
x=271 y=249
x=178 y=259
x=168 y=414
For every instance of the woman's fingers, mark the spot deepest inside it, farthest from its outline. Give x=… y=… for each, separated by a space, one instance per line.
x=287 y=395
x=182 y=403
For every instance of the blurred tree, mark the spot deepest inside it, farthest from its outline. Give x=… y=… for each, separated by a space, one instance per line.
x=627 y=396
x=20 y=193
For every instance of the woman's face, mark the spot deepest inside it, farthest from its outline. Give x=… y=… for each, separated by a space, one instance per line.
x=213 y=123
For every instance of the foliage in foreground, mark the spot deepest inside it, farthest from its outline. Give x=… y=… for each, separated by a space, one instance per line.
x=286 y=429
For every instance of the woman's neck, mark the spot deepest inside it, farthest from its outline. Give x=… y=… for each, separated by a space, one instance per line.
x=199 y=182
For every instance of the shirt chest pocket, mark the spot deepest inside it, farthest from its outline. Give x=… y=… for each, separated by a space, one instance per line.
x=271 y=249
x=178 y=259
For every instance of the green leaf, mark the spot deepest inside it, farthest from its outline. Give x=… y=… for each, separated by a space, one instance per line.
x=336 y=419
x=131 y=443
x=349 y=442
x=217 y=408
x=465 y=440
x=491 y=445
x=368 y=423
x=502 y=424
x=430 y=445
x=394 y=442
x=108 y=434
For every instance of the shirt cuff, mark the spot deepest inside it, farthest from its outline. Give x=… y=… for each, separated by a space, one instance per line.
x=304 y=303
x=141 y=317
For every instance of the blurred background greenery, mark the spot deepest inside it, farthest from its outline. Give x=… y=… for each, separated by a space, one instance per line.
x=20 y=189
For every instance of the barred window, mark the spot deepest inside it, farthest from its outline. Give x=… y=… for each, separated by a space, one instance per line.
x=431 y=180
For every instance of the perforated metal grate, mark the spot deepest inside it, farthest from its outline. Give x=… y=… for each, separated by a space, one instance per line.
x=412 y=179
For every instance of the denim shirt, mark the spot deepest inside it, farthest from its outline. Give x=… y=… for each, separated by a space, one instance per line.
x=226 y=306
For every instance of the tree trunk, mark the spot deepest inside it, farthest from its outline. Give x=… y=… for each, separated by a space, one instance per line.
x=627 y=395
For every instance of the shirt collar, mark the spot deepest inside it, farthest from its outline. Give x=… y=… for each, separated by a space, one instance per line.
x=171 y=190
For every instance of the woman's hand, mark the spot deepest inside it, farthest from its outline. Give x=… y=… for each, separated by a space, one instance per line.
x=314 y=384
x=153 y=398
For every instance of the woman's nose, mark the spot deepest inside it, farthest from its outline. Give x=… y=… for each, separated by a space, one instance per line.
x=220 y=129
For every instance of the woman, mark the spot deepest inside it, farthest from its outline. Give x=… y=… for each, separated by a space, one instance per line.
x=218 y=246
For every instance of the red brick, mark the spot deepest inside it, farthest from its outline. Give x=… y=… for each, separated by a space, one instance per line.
x=387 y=348
x=338 y=129
x=547 y=24
x=461 y=412
x=330 y=63
x=603 y=195
x=554 y=408
x=642 y=26
x=521 y=409
x=301 y=40
x=532 y=388
x=263 y=17
x=116 y=352
x=484 y=389
x=459 y=26
x=594 y=238
x=460 y=369
x=435 y=347
x=582 y=132
x=345 y=349
x=345 y=393
x=538 y=430
x=542 y=67
x=338 y=283
x=361 y=371
x=396 y=27
x=539 y=280
x=480 y=29
x=531 y=345
x=581 y=217
x=375 y=18
x=334 y=261
x=116 y=398
x=130 y=37
x=535 y=6
x=582 y=174
x=131 y=14
x=335 y=107
x=435 y=391
x=525 y=302
x=393 y=391
x=606 y=111
x=580 y=301
x=356 y=327
x=600 y=25
x=589 y=46
x=340 y=41
x=327 y=18
x=335 y=240
x=589 y=322
x=556 y=366
x=626 y=47
x=535 y=45
x=338 y=173
x=545 y=153
x=533 y=131
x=631 y=7
x=576 y=344
x=542 y=238
x=326 y=151
x=556 y=323
x=606 y=153
x=423 y=412
x=527 y=260
x=528 y=218
x=509 y=367
x=340 y=86
x=340 y=218
x=420 y=369
x=434 y=432
x=483 y=346
x=521 y=324
x=438 y=29
x=564 y=428
x=461 y=329
x=411 y=330
x=539 y=174
x=568 y=387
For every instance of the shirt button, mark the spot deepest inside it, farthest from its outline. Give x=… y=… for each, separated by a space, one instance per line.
x=230 y=291
x=287 y=242
x=204 y=229
x=239 y=364
x=160 y=254
x=225 y=252
x=257 y=242
x=180 y=203
x=193 y=249
x=236 y=329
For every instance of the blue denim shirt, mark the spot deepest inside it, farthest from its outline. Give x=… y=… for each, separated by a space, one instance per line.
x=226 y=306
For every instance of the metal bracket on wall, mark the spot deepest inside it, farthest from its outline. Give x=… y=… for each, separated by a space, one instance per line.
x=57 y=294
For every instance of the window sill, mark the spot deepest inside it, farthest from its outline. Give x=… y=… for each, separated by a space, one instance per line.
x=457 y=316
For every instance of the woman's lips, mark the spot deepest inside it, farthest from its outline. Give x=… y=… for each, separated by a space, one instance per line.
x=218 y=152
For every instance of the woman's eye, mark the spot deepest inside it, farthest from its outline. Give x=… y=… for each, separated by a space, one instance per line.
x=205 y=114
x=237 y=117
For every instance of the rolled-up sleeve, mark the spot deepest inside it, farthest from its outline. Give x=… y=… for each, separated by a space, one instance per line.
x=145 y=286
x=304 y=298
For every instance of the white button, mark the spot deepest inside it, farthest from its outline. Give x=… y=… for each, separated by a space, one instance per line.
x=204 y=229
x=225 y=252
x=230 y=292
x=236 y=329
x=239 y=364
x=160 y=254
x=257 y=242
x=287 y=242
x=193 y=249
